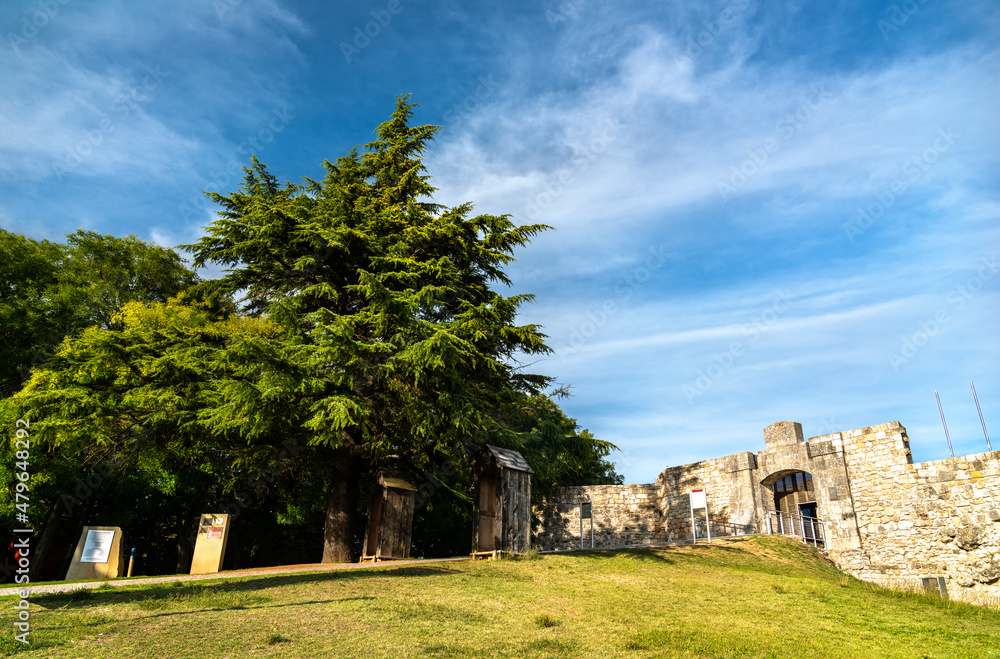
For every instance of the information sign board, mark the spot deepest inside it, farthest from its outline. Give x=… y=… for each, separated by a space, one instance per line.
x=587 y=512
x=97 y=548
x=699 y=499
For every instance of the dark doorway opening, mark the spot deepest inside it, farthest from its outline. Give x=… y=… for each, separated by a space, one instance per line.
x=795 y=502
x=792 y=492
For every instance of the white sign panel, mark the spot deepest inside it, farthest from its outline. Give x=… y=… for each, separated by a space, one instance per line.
x=699 y=500
x=97 y=548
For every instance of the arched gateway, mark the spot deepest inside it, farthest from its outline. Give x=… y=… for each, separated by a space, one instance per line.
x=791 y=495
x=794 y=494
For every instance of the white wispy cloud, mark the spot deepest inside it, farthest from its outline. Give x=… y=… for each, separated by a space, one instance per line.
x=94 y=95
x=622 y=126
x=682 y=134
x=843 y=137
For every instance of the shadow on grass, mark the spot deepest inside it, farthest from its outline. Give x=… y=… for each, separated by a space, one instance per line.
x=218 y=609
x=651 y=554
x=244 y=586
x=663 y=553
x=168 y=614
x=777 y=556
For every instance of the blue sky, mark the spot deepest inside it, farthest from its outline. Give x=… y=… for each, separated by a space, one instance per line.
x=763 y=211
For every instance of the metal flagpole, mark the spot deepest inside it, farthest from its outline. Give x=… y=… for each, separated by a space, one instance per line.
x=976 y=398
x=941 y=409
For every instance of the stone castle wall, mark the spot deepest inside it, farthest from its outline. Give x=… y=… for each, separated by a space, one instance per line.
x=928 y=519
x=622 y=515
x=887 y=520
x=658 y=512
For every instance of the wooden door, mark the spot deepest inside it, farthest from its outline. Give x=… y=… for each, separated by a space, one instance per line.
x=371 y=547
x=487 y=512
x=394 y=539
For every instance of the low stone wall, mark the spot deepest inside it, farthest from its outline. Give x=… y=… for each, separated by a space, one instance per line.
x=729 y=487
x=658 y=512
x=622 y=514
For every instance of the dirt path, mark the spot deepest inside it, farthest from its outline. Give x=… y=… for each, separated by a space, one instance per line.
x=229 y=574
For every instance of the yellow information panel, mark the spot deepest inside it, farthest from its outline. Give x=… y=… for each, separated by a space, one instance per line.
x=98 y=554
x=210 y=547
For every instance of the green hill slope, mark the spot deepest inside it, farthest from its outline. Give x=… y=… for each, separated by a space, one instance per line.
x=760 y=597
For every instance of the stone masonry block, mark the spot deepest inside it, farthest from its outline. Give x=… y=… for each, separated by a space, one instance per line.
x=783 y=433
x=744 y=461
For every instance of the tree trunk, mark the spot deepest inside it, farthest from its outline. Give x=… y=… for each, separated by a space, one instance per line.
x=185 y=550
x=48 y=534
x=76 y=522
x=341 y=504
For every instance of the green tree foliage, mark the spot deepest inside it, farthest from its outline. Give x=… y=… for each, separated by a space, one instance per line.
x=389 y=302
x=29 y=320
x=367 y=333
x=123 y=422
x=560 y=452
x=49 y=291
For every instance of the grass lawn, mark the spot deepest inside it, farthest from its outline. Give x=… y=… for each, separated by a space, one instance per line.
x=760 y=597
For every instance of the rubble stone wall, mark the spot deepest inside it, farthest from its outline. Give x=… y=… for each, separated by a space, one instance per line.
x=931 y=519
x=658 y=512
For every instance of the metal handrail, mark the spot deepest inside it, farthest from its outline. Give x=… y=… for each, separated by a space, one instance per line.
x=808 y=529
x=729 y=529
